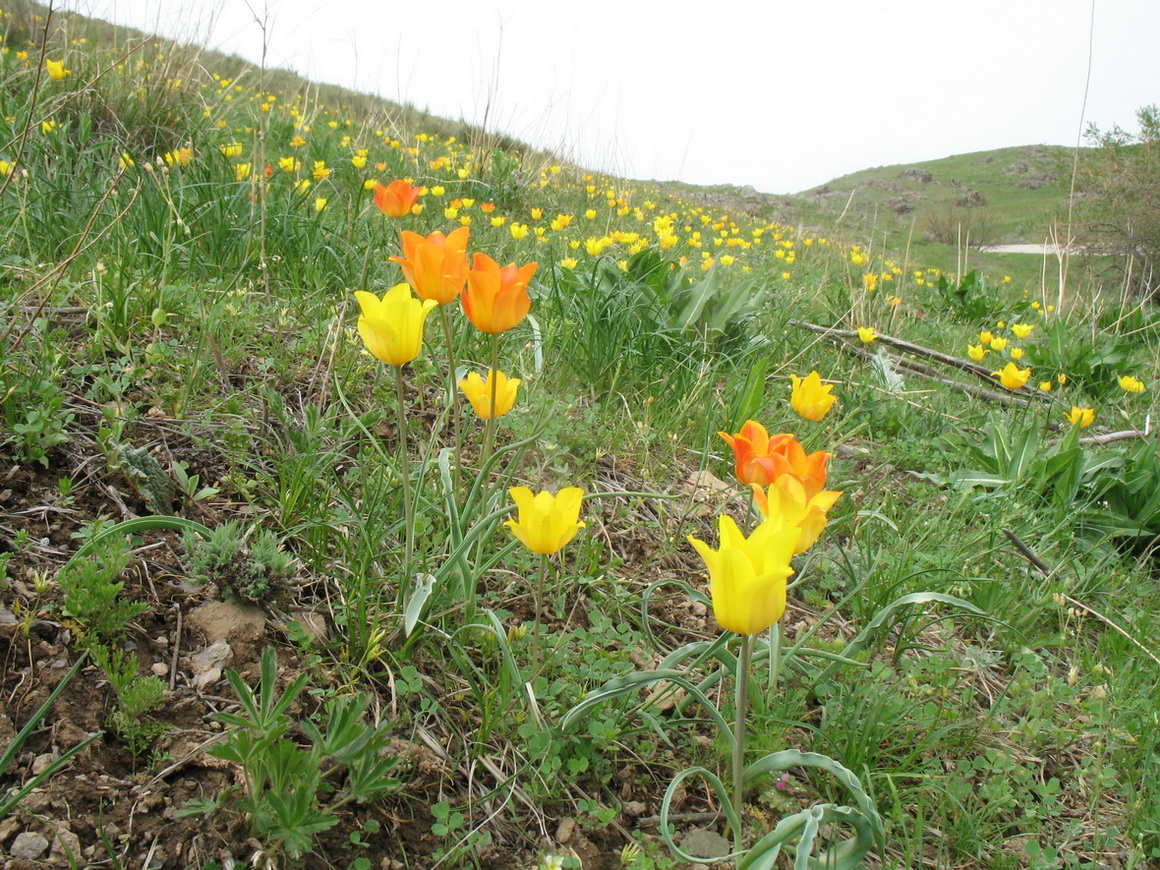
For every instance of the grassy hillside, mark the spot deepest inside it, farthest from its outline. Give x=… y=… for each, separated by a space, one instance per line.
x=293 y=572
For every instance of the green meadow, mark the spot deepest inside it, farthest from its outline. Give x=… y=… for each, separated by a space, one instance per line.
x=276 y=591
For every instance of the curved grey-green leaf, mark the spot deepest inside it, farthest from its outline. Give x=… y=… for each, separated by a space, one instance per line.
x=139 y=524
x=634 y=682
x=722 y=797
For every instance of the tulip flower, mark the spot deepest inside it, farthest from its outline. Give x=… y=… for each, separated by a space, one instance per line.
x=1022 y=330
x=1046 y=386
x=785 y=501
x=998 y=343
x=435 y=265
x=866 y=334
x=810 y=398
x=397 y=198
x=478 y=392
x=546 y=522
x=496 y=299
x=976 y=351
x=1082 y=417
x=1130 y=384
x=1011 y=376
x=762 y=460
x=392 y=327
x=985 y=338
x=56 y=70
x=747 y=575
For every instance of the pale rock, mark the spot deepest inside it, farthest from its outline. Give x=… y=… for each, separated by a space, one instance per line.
x=43 y=762
x=28 y=845
x=207 y=678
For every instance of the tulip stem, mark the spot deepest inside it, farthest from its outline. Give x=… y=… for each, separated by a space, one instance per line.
x=540 y=581
x=742 y=702
x=493 y=384
x=405 y=474
x=454 y=405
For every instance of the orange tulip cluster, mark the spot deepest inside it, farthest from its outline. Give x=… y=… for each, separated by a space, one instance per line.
x=494 y=298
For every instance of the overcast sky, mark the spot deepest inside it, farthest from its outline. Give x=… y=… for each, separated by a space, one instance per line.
x=781 y=96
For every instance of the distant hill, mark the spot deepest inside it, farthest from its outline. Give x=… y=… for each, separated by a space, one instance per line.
x=1008 y=195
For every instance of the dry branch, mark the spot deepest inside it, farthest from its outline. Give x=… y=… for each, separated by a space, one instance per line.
x=915 y=367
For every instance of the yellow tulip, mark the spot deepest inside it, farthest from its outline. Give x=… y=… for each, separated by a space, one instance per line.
x=985 y=338
x=1130 y=384
x=1022 y=330
x=998 y=343
x=56 y=70
x=866 y=334
x=478 y=392
x=810 y=398
x=392 y=327
x=785 y=501
x=976 y=351
x=1082 y=417
x=546 y=522
x=1011 y=376
x=747 y=575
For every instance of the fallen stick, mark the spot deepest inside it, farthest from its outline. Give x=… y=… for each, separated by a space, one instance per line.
x=917 y=368
x=909 y=347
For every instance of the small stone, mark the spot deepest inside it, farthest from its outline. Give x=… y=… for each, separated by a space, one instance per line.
x=207 y=678
x=212 y=657
x=28 y=845
x=702 y=843
x=228 y=619
x=66 y=843
x=564 y=830
x=160 y=669
x=635 y=808
x=8 y=827
x=43 y=762
x=35 y=802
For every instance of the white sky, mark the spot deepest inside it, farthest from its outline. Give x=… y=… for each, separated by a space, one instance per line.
x=782 y=96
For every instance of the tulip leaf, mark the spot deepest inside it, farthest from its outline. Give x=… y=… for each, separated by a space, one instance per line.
x=972 y=478
x=139 y=524
x=890 y=379
x=750 y=399
x=425 y=585
x=723 y=801
x=1023 y=455
x=631 y=683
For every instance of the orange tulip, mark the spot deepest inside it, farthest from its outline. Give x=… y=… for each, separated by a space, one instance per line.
x=397 y=198
x=762 y=460
x=435 y=266
x=496 y=299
